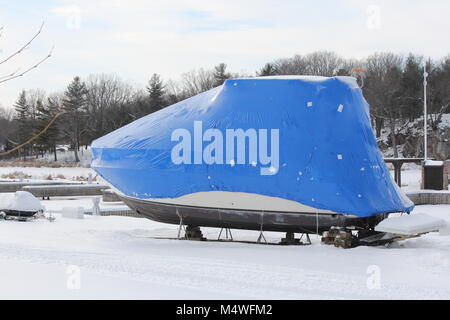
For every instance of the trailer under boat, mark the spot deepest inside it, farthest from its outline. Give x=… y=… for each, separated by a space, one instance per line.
x=340 y=230
x=19 y=215
x=305 y=221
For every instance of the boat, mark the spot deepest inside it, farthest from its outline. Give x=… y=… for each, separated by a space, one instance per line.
x=287 y=154
x=20 y=205
x=305 y=220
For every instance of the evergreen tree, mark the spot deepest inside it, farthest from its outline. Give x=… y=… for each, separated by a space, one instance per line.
x=412 y=88
x=156 y=90
x=22 y=107
x=220 y=74
x=45 y=114
x=23 y=120
x=268 y=70
x=74 y=101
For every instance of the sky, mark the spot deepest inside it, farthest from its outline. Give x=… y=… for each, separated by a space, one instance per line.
x=136 y=38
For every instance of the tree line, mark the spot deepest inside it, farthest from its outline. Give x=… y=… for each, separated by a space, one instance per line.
x=99 y=104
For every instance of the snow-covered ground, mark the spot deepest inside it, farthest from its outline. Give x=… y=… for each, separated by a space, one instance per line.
x=411 y=177
x=119 y=258
x=57 y=204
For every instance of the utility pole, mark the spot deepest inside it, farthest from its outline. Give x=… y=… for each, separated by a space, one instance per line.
x=425 y=122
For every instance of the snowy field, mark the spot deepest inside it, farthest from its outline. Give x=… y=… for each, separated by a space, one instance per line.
x=119 y=258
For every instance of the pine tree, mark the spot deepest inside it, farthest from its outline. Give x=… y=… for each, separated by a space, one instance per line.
x=156 y=90
x=221 y=74
x=74 y=101
x=412 y=88
x=23 y=120
x=22 y=107
x=268 y=70
x=45 y=114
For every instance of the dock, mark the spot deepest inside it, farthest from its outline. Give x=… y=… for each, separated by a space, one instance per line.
x=14 y=186
x=431 y=197
x=47 y=191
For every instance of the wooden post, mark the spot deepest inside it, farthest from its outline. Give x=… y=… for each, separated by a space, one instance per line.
x=446 y=174
x=398 y=172
x=422 y=183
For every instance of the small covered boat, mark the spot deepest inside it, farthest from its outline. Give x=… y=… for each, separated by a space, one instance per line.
x=20 y=205
x=289 y=154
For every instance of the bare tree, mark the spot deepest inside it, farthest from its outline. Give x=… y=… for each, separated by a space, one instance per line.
x=197 y=81
x=323 y=63
x=382 y=89
x=105 y=94
x=320 y=63
x=439 y=90
x=34 y=97
x=174 y=92
x=291 y=66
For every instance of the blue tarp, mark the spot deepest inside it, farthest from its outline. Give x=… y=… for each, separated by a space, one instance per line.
x=328 y=155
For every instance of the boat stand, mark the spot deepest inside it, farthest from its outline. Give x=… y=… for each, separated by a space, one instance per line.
x=181 y=226
x=290 y=240
x=227 y=232
x=261 y=237
x=261 y=232
x=193 y=233
x=308 y=239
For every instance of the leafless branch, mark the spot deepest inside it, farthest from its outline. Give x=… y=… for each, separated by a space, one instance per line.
x=29 y=69
x=23 y=47
x=9 y=75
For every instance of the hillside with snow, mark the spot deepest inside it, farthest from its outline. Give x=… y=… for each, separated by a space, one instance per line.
x=410 y=139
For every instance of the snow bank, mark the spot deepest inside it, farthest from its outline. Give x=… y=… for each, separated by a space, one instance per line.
x=20 y=201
